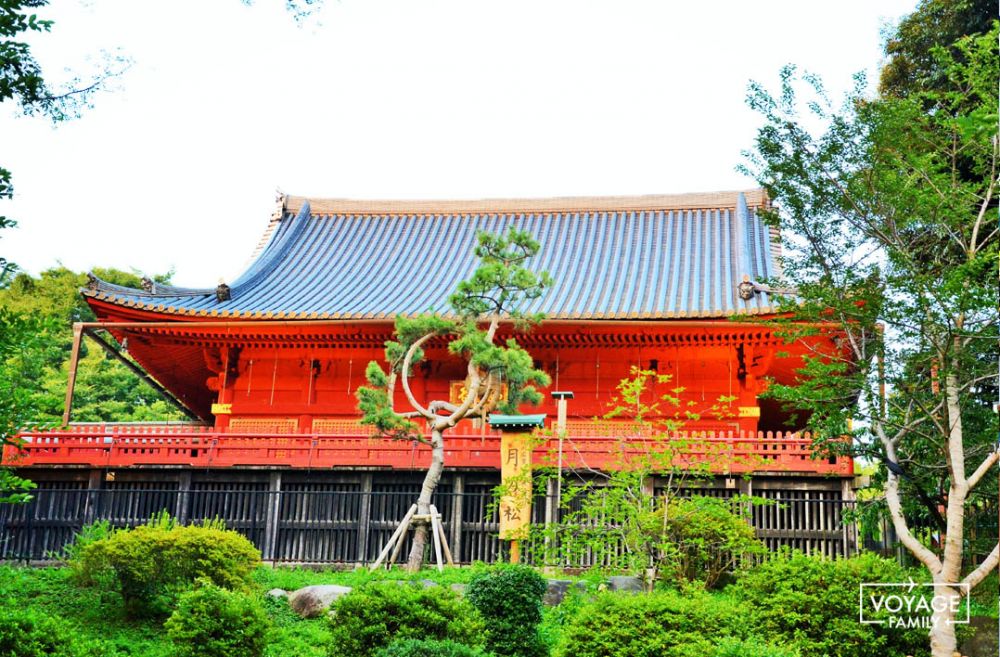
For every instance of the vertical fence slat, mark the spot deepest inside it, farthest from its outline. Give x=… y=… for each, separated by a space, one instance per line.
x=349 y=522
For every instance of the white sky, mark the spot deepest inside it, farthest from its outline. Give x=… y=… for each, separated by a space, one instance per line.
x=177 y=168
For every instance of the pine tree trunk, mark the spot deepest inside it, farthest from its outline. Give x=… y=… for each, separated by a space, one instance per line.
x=431 y=480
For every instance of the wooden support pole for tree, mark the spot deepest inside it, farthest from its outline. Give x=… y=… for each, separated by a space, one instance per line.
x=395 y=543
x=436 y=536
x=74 y=361
x=396 y=540
x=444 y=536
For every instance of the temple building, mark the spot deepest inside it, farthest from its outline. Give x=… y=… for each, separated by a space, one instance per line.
x=267 y=367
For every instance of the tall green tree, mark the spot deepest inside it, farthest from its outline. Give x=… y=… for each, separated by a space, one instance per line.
x=105 y=390
x=912 y=65
x=495 y=292
x=25 y=343
x=888 y=214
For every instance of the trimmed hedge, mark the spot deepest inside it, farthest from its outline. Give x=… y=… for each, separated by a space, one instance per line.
x=812 y=602
x=509 y=598
x=210 y=621
x=664 y=624
x=152 y=564
x=430 y=648
x=378 y=614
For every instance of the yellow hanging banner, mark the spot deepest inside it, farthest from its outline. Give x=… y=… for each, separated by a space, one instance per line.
x=515 y=477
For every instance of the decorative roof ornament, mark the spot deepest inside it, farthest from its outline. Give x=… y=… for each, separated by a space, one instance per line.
x=222 y=292
x=746 y=290
x=92 y=282
x=279 y=205
x=147 y=284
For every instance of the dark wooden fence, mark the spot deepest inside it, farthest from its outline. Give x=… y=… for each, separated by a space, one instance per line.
x=342 y=523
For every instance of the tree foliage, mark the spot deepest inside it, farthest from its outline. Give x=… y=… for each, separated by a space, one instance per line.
x=912 y=63
x=500 y=376
x=105 y=391
x=888 y=215
x=24 y=342
x=624 y=521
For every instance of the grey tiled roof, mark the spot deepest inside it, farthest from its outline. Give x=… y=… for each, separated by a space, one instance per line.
x=611 y=258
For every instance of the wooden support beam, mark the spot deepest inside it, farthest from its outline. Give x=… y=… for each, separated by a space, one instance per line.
x=395 y=542
x=74 y=361
x=444 y=536
x=135 y=369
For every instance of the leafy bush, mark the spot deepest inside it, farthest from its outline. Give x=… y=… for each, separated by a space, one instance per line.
x=730 y=647
x=663 y=624
x=689 y=540
x=707 y=537
x=213 y=622
x=373 y=616
x=812 y=603
x=28 y=634
x=509 y=598
x=151 y=564
x=431 y=648
x=88 y=534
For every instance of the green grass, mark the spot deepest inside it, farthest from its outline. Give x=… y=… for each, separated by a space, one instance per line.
x=99 y=616
x=93 y=615
x=290 y=579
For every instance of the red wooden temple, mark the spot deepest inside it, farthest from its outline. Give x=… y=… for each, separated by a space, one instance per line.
x=268 y=366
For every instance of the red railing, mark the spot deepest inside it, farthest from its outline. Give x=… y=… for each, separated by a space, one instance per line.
x=117 y=446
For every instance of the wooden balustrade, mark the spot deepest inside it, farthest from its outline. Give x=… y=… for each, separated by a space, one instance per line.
x=204 y=447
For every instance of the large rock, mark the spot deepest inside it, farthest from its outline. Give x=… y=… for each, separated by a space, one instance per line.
x=556 y=591
x=278 y=593
x=312 y=601
x=625 y=583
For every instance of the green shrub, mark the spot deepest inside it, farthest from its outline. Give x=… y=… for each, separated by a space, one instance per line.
x=28 y=634
x=152 y=564
x=706 y=537
x=375 y=615
x=663 y=624
x=210 y=621
x=430 y=648
x=812 y=603
x=730 y=647
x=509 y=598
x=88 y=534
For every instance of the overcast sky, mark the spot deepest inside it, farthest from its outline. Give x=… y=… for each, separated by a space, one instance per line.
x=177 y=167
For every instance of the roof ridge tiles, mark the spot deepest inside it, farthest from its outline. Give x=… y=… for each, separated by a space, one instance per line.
x=564 y=204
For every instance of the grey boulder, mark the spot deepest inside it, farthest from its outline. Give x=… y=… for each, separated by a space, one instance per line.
x=625 y=583
x=557 y=589
x=312 y=601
